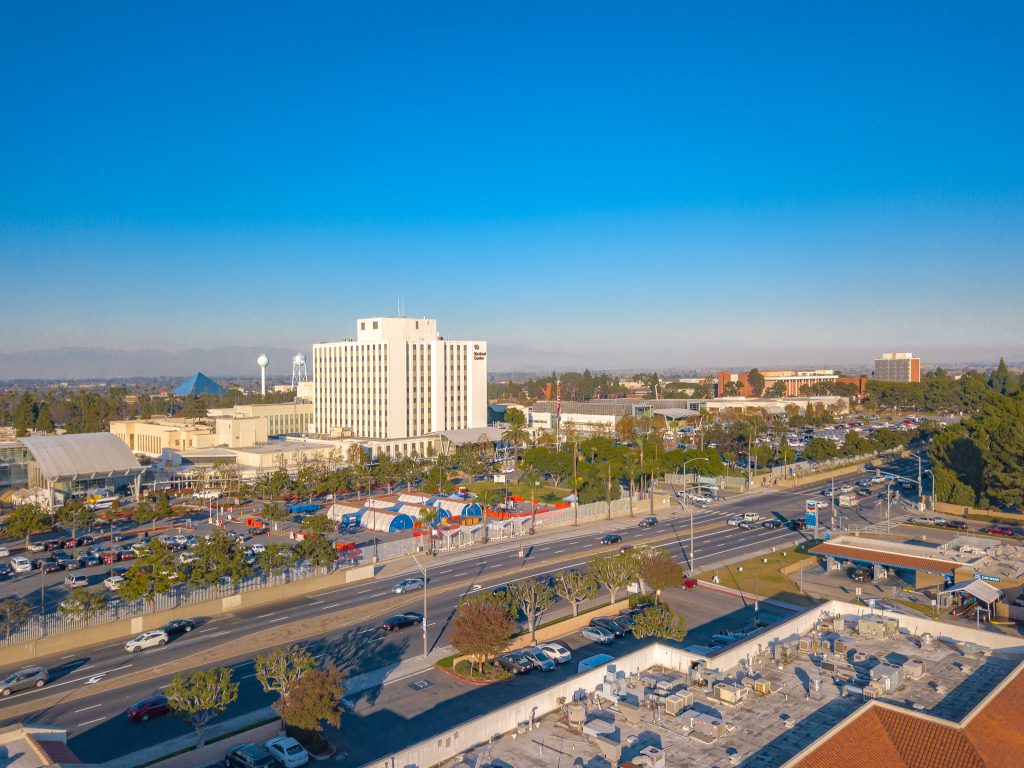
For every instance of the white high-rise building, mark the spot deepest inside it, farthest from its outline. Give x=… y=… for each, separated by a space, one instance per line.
x=398 y=379
x=897 y=366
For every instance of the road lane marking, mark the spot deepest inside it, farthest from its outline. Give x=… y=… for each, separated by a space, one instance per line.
x=83 y=709
x=316 y=602
x=218 y=634
x=90 y=722
x=279 y=618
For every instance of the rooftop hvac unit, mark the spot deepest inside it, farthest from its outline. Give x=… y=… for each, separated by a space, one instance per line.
x=889 y=676
x=928 y=642
x=807 y=644
x=651 y=756
x=871 y=626
x=678 y=702
x=853 y=692
x=762 y=687
x=709 y=726
x=842 y=645
x=873 y=690
x=915 y=669
x=730 y=693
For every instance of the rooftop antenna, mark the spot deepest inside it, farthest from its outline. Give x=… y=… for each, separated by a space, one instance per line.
x=401 y=313
x=263 y=361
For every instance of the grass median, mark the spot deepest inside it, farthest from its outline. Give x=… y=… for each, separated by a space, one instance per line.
x=762 y=575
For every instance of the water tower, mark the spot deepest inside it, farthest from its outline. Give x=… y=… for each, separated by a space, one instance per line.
x=299 y=371
x=263 y=361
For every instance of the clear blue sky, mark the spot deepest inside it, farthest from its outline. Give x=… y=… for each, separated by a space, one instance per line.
x=599 y=183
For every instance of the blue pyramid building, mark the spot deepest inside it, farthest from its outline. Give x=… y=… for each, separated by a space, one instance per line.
x=199 y=384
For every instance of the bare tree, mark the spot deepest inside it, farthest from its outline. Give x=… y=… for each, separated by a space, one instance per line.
x=483 y=627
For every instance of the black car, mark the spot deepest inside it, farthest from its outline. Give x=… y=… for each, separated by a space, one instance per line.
x=5 y=571
x=248 y=756
x=516 y=663
x=176 y=627
x=88 y=559
x=610 y=538
x=771 y=524
x=401 y=621
x=610 y=624
x=625 y=620
x=67 y=562
x=47 y=565
x=647 y=522
x=860 y=574
x=53 y=544
x=960 y=525
x=84 y=541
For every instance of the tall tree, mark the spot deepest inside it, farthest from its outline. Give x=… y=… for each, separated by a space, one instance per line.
x=756 y=381
x=14 y=614
x=280 y=670
x=658 y=569
x=276 y=558
x=532 y=597
x=614 y=572
x=76 y=517
x=315 y=699
x=44 y=420
x=316 y=550
x=201 y=695
x=25 y=520
x=82 y=604
x=483 y=627
x=152 y=573
x=24 y=415
x=576 y=587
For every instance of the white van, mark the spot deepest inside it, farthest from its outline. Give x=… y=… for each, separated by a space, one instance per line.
x=105 y=503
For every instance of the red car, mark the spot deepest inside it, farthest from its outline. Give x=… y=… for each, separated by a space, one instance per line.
x=143 y=710
x=998 y=531
x=110 y=556
x=689 y=583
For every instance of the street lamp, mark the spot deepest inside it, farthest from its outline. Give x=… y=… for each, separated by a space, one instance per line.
x=423 y=570
x=693 y=570
x=888 y=503
x=920 y=487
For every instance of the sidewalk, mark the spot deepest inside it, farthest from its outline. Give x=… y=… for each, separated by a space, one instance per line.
x=395 y=672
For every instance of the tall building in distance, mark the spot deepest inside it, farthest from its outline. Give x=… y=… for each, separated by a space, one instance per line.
x=898 y=366
x=398 y=379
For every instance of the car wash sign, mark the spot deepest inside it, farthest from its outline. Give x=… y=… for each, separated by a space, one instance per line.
x=811 y=515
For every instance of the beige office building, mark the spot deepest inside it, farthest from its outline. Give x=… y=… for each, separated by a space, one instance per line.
x=898 y=366
x=398 y=379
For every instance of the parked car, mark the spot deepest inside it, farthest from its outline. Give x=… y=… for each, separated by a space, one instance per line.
x=176 y=627
x=257 y=548
x=610 y=538
x=113 y=583
x=539 y=659
x=556 y=651
x=108 y=556
x=609 y=624
x=84 y=541
x=29 y=677
x=401 y=621
x=516 y=663
x=998 y=531
x=75 y=580
x=248 y=756
x=154 y=706
x=66 y=561
x=5 y=571
x=407 y=585
x=287 y=752
x=35 y=546
x=151 y=639
x=47 y=564
x=87 y=560
x=647 y=522
x=53 y=545
x=21 y=564
x=860 y=574
x=597 y=635
x=626 y=620
x=5 y=552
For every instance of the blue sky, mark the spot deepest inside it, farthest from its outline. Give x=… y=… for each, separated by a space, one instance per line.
x=594 y=183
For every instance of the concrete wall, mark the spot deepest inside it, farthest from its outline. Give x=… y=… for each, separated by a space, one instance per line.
x=213 y=754
x=129 y=627
x=957 y=510
x=571 y=624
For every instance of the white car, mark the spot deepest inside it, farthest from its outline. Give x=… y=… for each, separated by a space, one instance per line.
x=4 y=552
x=21 y=564
x=257 y=548
x=407 y=585
x=187 y=557
x=181 y=539
x=556 y=651
x=113 y=583
x=734 y=520
x=845 y=488
x=151 y=639
x=287 y=752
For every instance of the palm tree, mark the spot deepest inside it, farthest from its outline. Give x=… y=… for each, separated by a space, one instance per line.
x=515 y=432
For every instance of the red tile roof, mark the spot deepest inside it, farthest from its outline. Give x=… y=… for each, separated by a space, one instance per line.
x=882 y=735
x=889 y=559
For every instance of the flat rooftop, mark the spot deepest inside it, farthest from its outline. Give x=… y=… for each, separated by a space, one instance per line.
x=761 y=731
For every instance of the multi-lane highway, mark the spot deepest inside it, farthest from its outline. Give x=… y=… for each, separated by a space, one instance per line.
x=354 y=640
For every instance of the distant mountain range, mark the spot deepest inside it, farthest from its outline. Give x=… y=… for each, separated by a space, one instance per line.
x=73 y=363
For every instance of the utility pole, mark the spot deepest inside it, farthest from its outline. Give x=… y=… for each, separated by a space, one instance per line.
x=832 y=503
x=423 y=570
x=888 y=503
x=575 y=489
x=693 y=555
